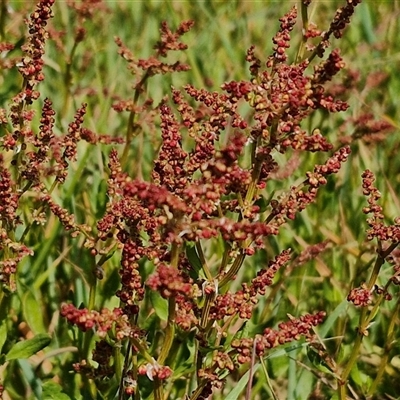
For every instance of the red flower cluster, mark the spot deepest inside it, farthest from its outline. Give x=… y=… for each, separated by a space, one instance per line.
x=69 y=143
x=377 y=228
x=242 y=302
x=168 y=282
x=282 y=39
x=152 y=65
x=311 y=252
x=102 y=322
x=30 y=68
x=8 y=266
x=67 y=219
x=169 y=169
x=154 y=370
x=8 y=198
x=369 y=129
x=394 y=259
x=337 y=26
x=360 y=296
x=32 y=63
x=287 y=332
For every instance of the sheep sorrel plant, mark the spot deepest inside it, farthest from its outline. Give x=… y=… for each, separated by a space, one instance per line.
x=201 y=264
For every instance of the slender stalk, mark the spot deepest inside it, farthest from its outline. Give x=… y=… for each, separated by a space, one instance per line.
x=362 y=329
x=135 y=374
x=121 y=372
x=169 y=331
x=204 y=329
x=253 y=184
x=91 y=306
x=225 y=258
x=251 y=372
x=142 y=350
x=206 y=310
x=158 y=389
x=353 y=357
x=375 y=272
x=264 y=367
x=390 y=337
x=203 y=261
x=304 y=18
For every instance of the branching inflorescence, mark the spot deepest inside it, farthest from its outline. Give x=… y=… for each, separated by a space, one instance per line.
x=210 y=190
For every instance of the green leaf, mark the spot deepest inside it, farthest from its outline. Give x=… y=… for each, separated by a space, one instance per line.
x=330 y=321
x=263 y=203
x=359 y=377
x=243 y=331
x=32 y=312
x=53 y=391
x=194 y=260
x=160 y=305
x=3 y=333
x=28 y=348
x=234 y=394
x=185 y=366
x=366 y=23
x=101 y=196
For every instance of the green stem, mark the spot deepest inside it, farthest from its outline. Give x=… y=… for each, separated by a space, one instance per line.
x=142 y=350
x=132 y=129
x=364 y=321
x=121 y=371
x=92 y=294
x=198 y=391
x=253 y=184
x=375 y=272
x=169 y=331
x=233 y=270
x=204 y=329
x=353 y=356
x=225 y=258
x=135 y=374
x=5 y=302
x=206 y=310
x=271 y=389
x=3 y=15
x=304 y=18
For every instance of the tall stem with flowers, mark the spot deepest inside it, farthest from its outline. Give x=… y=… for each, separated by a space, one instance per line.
x=185 y=235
